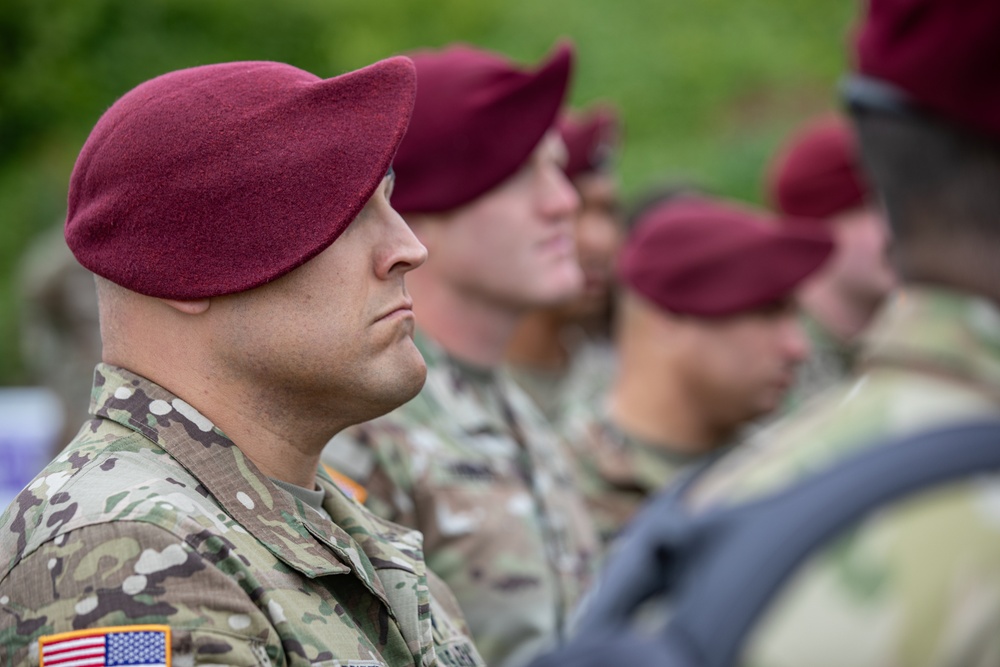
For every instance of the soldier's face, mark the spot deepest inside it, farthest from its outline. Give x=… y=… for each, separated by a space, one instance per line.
x=337 y=331
x=598 y=238
x=741 y=367
x=514 y=245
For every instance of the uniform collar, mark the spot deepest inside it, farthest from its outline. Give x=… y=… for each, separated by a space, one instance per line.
x=256 y=504
x=651 y=464
x=822 y=341
x=940 y=331
x=471 y=396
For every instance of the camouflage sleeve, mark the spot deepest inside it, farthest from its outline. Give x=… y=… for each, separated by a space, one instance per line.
x=917 y=585
x=134 y=573
x=445 y=601
x=388 y=476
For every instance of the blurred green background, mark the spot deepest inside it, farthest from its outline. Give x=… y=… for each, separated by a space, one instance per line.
x=707 y=88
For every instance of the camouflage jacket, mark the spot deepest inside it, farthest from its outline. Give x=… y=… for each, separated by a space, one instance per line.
x=829 y=362
x=153 y=516
x=917 y=584
x=570 y=396
x=473 y=465
x=618 y=472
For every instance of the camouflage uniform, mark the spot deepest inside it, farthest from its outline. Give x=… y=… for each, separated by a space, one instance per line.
x=618 y=472
x=570 y=396
x=829 y=362
x=60 y=332
x=918 y=584
x=473 y=465
x=153 y=516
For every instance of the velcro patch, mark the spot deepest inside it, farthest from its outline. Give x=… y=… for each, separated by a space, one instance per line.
x=121 y=646
x=459 y=654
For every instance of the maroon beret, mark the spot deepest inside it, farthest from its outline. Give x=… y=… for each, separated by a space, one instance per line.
x=590 y=139
x=818 y=173
x=944 y=54
x=709 y=258
x=477 y=119
x=217 y=179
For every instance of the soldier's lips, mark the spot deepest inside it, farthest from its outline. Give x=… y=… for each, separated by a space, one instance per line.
x=559 y=244
x=400 y=311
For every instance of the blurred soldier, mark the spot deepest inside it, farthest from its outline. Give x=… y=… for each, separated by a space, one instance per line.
x=248 y=311
x=917 y=583
x=562 y=356
x=818 y=176
x=60 y=335
x=708 y=339
x=471 y=462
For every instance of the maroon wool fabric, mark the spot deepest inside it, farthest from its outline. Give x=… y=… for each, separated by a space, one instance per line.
x=944 y=53
x=591 y=138
x=218 y=179
x=477 y=119
x=709 y=258
x=818 y=174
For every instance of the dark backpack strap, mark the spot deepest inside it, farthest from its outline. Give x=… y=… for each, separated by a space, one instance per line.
x=722 y=568
x=728 y=579
x=643 y=562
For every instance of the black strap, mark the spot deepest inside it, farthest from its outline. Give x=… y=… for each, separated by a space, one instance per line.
x=722 y=568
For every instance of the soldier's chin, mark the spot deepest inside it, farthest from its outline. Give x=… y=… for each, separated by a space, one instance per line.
x=406 y=379
x=413 y=383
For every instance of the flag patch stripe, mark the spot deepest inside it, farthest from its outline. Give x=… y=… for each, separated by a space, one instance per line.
x=83 y=662
x=78 y=653
x=71 y=644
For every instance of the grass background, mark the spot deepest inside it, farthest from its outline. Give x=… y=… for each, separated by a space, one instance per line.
x=707 y=89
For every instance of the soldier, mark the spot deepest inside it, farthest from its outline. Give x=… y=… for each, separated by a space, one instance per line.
x=252 y=303
x=60 y=335
x=818 y=176
x=708 y=339
x=470 y=461
x=562 y=356
x=918 y=583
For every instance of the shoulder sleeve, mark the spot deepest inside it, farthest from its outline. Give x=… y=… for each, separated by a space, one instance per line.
x=918 y=583
x=379 y=456
x=134 y=573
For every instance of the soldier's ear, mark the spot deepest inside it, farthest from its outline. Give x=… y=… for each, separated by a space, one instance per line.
x=192 y=307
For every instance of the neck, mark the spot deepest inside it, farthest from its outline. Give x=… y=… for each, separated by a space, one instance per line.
x=958 y=264
x=284 y=445
x=645 y=404
x=469 y=328
x=842 y=317
x=280 y=437
x=538 y=342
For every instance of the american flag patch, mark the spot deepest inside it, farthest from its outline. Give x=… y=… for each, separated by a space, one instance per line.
x=124 y=646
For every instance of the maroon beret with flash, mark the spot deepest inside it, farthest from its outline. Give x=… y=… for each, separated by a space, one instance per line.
x=591 y=139
x=477 y=119
x=709 y=258
x=944 y=54
x=217 y=179
x=818 y=174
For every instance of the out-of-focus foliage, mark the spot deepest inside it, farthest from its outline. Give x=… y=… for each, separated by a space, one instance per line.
x=707 y=88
